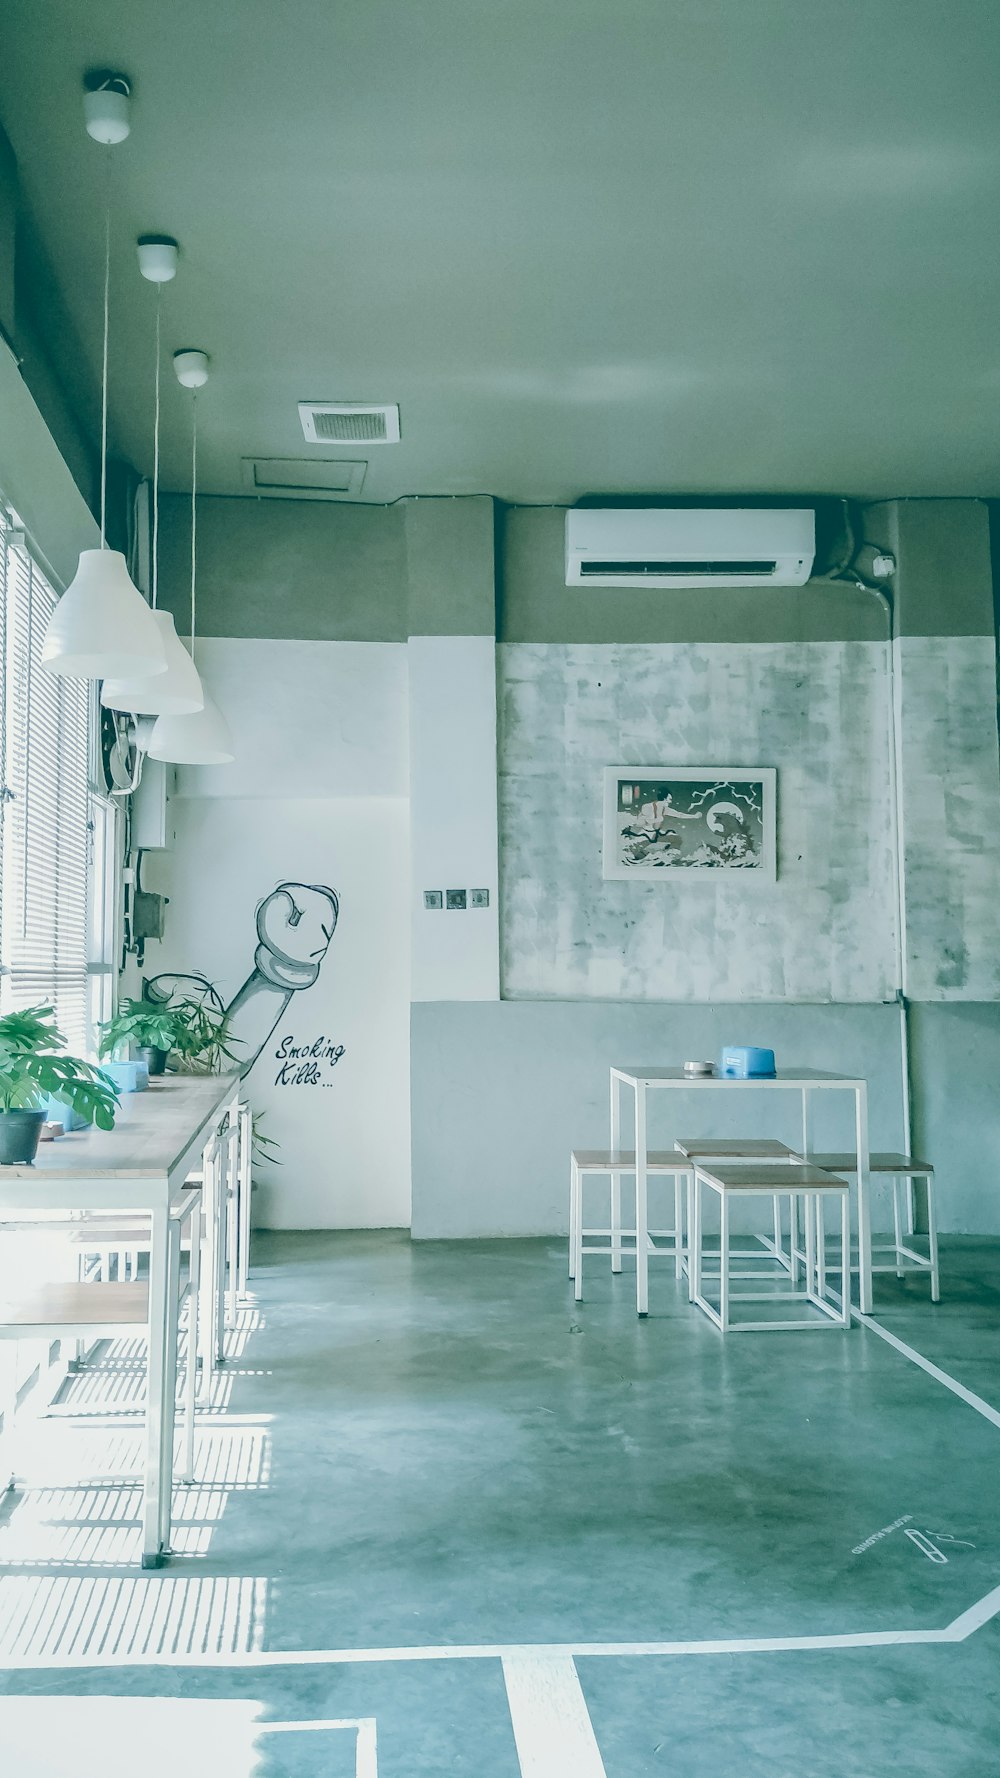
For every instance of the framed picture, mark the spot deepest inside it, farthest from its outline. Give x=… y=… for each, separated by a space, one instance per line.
x=671 y=819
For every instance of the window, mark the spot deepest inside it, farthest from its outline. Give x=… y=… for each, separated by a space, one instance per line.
x=54 y=879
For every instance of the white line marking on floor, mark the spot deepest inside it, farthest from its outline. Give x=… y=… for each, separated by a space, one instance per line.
x=973 y=1401
x=366 y=1751
x=977 y=1615
x=553 y=1732
x=962 y=1627
x=352 y=1657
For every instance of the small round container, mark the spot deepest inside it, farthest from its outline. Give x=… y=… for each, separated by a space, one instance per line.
x=699 y=1070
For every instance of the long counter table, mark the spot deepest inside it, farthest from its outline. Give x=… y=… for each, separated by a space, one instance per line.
x=139 y=1167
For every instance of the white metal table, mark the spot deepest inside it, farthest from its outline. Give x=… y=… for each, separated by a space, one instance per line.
x=139 y=1167
x=804 y=1081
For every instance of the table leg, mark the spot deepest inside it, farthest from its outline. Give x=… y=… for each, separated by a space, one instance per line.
x=191 y=1349
x=793 y=1225
x=724 y=1261
x=641 y=1214
x=616 y=1178
x=210 y=1200
x=246 y=1193
x=221 y=1223
x=233 y=1223
x=156 y=1337
x=170 y=1356
x=693 y=1235
x=864 y=1201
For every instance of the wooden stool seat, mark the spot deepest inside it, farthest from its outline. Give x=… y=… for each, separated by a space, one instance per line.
x=611 y=1160
x=74 y=1310
x=761 y=1177
x=734 y=1148
x=883 y=1162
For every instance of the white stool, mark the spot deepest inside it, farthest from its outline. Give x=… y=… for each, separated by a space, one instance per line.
x=750 y=1148
x=904 y=1172
x=768 y=1180
x=585 y=1163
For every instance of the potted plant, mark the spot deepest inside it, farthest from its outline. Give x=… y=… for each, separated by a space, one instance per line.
x=33 y=1069
x=150 y=1032
x=202 y=1042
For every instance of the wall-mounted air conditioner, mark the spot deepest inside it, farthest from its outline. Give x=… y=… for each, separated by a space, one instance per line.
x=690 y=546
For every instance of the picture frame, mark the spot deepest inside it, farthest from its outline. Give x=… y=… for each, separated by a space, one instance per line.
x=667 y=822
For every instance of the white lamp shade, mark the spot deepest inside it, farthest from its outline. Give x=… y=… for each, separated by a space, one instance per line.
x=199 y=740
x=177 y=692
x=102 y=627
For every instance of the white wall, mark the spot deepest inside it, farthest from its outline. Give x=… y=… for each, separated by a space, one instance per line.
x=308 y=718
x=316 y=796
x=818 y=711
x=453 y=810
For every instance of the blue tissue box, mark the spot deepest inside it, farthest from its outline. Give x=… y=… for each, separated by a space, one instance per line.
x=128 y=1077
x=743 y=1062
x=56 y=1112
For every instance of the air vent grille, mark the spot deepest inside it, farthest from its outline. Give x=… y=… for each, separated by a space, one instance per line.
x=676 y=570
x=349 y=422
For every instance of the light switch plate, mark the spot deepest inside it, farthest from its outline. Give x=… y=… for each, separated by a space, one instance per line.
x=433 y=898
x=479 y=898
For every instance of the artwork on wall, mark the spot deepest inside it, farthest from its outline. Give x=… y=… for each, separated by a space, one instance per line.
x=688 y=818
x=295 y=924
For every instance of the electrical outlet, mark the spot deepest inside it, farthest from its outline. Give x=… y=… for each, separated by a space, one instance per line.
x=455 y=898
x=433 y=898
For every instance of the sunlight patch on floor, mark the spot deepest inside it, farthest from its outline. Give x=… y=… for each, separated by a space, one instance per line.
x=86 y=1617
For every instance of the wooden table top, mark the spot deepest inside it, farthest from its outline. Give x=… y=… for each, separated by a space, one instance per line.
x=153 y=1132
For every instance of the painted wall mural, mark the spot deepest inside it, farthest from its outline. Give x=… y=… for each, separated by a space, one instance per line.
x=295 y=924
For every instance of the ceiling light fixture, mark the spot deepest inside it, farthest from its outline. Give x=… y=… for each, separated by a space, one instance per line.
x=102 y=626
x=178 y=691
x=202 y=739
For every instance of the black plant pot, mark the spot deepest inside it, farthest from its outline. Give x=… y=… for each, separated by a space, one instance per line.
x=19 y=1133
x=155 y=1059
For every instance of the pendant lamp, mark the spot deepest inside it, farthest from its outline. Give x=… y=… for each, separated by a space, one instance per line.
x=177 y=692
x=102 y=626
x=202 y=739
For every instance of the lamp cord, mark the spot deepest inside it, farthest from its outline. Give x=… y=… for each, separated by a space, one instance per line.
x=104 y=361
x=156 y=454
x=194 y=509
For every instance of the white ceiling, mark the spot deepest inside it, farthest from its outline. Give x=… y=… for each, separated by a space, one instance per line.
x=648 y=245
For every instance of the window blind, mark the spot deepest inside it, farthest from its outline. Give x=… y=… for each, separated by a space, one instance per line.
x=45 y=726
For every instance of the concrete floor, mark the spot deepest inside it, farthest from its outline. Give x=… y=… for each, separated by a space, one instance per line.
x=420 y=1449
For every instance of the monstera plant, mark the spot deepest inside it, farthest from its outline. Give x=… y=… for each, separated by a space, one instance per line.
x=33 y=1069
x=151 y=1031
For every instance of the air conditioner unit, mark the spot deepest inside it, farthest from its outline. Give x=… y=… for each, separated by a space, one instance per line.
x=690 y=546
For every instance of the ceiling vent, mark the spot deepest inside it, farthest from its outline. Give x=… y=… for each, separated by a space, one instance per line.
x=303 y=478
x=349 y=422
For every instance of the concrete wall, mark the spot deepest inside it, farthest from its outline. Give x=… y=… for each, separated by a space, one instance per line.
x=48 y=463
x=301 y=570
x=500 y=1094
x=46 y=468
x=817 y=711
